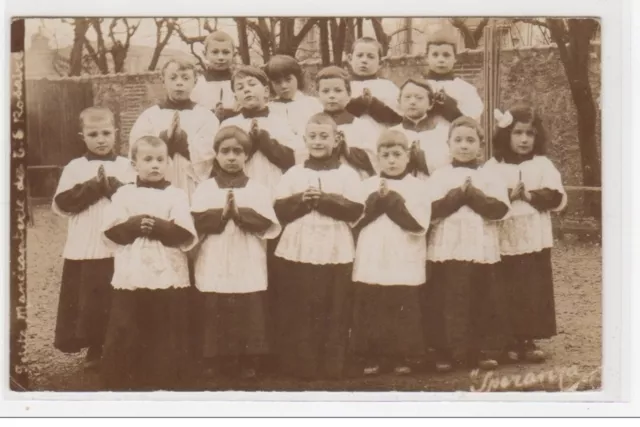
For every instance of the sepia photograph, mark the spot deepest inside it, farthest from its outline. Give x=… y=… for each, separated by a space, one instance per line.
x=319 y=203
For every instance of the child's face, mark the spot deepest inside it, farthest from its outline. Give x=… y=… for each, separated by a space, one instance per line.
x=393 y=160
x=333 y=94
x=414 y=101
x=231 y=156
x=464 y=144
x=365 y=59
x=99 y=135
x=441 y=58
x=179 y=83
x=523 y=138
x=285 y=87
x=151 y=162
x=250 y=93
x=219 y=55
x=320 y=140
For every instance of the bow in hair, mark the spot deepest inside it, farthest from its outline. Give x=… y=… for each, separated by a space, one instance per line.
x=503 y=119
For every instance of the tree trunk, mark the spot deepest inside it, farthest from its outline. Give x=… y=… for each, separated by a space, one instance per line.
x=287 y=29
x=80 y=27
x=324 y=42
x=381 y=36
x=338 y=32
x=359 y=25
x=575 y=61
x=243 y=42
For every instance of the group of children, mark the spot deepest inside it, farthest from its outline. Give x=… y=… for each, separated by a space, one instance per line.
x=355 y=229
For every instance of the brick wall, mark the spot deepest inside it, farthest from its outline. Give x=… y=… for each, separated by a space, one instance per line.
x=534 y=74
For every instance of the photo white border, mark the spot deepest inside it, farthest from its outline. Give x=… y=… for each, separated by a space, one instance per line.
x=617 y=249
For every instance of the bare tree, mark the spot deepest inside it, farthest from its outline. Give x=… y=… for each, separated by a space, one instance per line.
x=165 y=28
x=119 y=48
x=383 y=38
x=325 y=53
x=243 y=40
x=470 y=36
x=275 y=35
x=80 y=28
x=573 y=38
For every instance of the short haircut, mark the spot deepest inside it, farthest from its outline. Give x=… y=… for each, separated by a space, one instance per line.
x=442 y=36
x=392 y=138
x=467 y=122
x=334 y=72
x=281 y=66
x=150 y=140
x=423 y=84
x=183 y=64
x=218 y=36
x=367 y=40
x=522 y=113
x=323 y=119
x=245 y=71
x=96 y=114
x=231 y=131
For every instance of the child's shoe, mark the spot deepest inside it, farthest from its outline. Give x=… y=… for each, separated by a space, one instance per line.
x=402 y=370
x=484 y=362
x=443 y=366
x=371 y=370
x=533 y=354
x=92 y=359
x=487 y=364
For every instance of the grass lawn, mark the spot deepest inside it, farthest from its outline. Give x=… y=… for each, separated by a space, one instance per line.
x=575 y=353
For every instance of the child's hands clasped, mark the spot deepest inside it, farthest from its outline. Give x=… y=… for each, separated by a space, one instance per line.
x=146 y=225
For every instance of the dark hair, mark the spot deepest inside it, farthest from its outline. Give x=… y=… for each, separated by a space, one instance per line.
x=218 y=36
x=368 y=40
x=232 y=131
x=521 y=113
x=423 y=84
x=244 y=71
x=467 y=122
x=182 y=64
x=151 y=140
x=281 y=66
x=334 y=72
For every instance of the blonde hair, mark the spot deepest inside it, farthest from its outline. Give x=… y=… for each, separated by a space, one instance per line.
x=467 y=122
x=96 y=114
x=218 y=36
x=150 y=140
x=392 y=138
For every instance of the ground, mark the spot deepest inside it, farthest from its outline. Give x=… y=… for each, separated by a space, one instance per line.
x=575 y=353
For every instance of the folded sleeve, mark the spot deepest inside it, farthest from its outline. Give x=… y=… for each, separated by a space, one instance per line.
x=414 y=211
x=339 y=207
x=170 y=234
x=288 y=209
x=209 y=221
x=382 y=113
x=359 y=159
x=126 y=232
x=279 y=154
x=256 y=212
x=447 y=205
x=78 y=198
x=552 y=180
x=545 y=199
x=486 y=206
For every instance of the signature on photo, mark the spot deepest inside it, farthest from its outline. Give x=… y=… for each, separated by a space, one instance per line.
x=571 y=378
